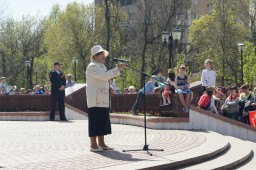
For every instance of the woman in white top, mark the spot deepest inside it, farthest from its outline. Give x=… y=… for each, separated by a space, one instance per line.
x=98 y=99
x=208 y=77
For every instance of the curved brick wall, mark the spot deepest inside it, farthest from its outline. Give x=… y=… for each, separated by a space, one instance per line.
x=14 y=103
x=124 y=102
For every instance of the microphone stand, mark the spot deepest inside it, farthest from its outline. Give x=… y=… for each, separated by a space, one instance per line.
x=146 y=146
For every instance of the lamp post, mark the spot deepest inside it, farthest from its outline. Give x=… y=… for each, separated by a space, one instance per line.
x=75 y=61
x=188 y=59
x=27 y=65
x=168 y=37
x=36 y=71
x=241 y=48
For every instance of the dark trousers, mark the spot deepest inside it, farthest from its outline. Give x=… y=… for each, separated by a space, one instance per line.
x=57 y=97
x=140 y=97
x=233 y=116
x=202 y=90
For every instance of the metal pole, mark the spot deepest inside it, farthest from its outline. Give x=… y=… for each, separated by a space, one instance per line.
x=170 y=51
x=75 y=70
x=27 y=78
x=222 y=76
x=36 y=77
x=242 y=67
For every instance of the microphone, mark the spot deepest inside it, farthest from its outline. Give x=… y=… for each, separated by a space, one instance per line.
x=120 y=60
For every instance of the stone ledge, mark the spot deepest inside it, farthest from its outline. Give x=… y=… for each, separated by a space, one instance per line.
x=222 y=118
x=25 y=113
x=149 y=119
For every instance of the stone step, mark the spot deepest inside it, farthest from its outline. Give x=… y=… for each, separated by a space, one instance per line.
x=251 y=163
x=25 y=116
x=239 y=152
x=209 y=149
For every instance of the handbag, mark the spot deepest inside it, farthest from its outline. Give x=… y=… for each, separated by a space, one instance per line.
x=225 y=108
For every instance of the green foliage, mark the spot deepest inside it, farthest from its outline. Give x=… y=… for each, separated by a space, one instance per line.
x=128 y=76
x=249 y=58
x=216 y=36
x=20 y=41
x=69 y=34
x=72 y=33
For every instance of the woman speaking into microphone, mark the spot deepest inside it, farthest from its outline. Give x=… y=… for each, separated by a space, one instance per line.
x=98 y=97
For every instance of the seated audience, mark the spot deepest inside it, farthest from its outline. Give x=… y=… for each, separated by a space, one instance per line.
x=206 y=101
x=245 y=96
x=231 y=107
x=249 y=106
x=219 y=97
x=132 y=90
x=70 y=82
x=149 y=89
x=29 y=91
x=22 y=91
x=169 y=88
x=114 y=88
x=37 y=90
x=182 y=87
x=45 y=89
x=126 y=91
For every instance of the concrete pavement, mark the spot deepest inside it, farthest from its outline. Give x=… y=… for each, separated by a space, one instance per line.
x=57 y=145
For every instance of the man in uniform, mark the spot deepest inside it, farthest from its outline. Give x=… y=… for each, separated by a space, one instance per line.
x=58 y=83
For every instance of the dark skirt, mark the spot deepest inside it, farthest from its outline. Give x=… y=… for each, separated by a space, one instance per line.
x=99 y=121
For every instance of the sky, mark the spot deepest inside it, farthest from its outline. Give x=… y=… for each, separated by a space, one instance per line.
x=18 y=8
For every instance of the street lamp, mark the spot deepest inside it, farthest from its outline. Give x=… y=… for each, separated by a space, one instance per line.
x=188 y=58
x=168 y=37
x=36 y=71
x=75 y=61
x=241 y=48
x=27 y=65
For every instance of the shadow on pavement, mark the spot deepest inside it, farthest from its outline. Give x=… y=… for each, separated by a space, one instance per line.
x=119 y=155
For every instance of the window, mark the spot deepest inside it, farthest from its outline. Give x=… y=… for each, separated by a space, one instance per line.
x=132 y=17
x=196 y=15
x=197 y=51
x=128 y=2
x=209 y=8
x=122 y=2
x=197 y=2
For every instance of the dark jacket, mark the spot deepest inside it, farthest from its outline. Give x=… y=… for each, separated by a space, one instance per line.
x=57 y=80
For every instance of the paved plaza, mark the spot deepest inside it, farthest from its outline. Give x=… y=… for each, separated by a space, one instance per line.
x=57 y=145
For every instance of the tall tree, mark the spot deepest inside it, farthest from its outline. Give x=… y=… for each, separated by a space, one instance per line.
x=69 y=34
x=216 y=36
x=153 y=17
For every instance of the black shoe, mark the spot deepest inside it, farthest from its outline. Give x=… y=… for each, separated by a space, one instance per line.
x=64 y=120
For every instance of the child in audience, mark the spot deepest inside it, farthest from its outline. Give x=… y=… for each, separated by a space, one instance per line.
x=182 y=86
x=206 y=101
x=208 y=77
x=169 y=88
